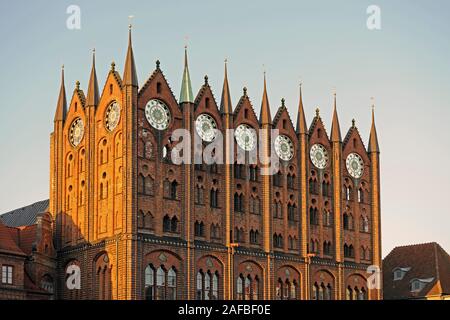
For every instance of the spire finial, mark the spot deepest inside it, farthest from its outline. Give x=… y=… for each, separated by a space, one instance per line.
x=265 y=117
x=113 y=66
x=129 y=73
x=130 y=19
x=317 y=112
x=282 y=102
x=353 y=123
x=225 y=102
x=245 y=91
x=61 y=106
x=335 y=127
x=301 y=119
x=77 y=85
x=158 y=63
x=373 y=139
x=206 y=80
x=93 y=92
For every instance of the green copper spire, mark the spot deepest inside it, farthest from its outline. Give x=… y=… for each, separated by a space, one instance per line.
x=186 y=87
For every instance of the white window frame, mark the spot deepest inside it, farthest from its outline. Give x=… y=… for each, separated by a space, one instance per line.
x=7 y=274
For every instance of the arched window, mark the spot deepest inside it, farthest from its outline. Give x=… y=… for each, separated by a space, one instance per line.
x=239 y=287
x=160 y=284
x=291 y=181
x=349 y=293
x=215 y=286
x=174 y=225
x=286 y=288
x=173 y=190
x=293 y=290
x=348 y=193
x=360 y=195
x=346 y=222
x=103 y=277
x=238 y=202
x=321 y=291
x=166 y=223
x=279 y=290
x=214 y=198
x=278 y=179
x=364 y=224
x=248 y=288
x=328 y=293
x=315 y=291
x=355 y=293
x=47 y=284
x=199 y=285
x=256 y=288
x=149 y=283
x=253 y=173
x=207 y=287
x=148 y=186
x=291 y=212
x=362 y=294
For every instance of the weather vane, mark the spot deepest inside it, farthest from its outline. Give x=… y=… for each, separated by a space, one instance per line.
x=130 y=20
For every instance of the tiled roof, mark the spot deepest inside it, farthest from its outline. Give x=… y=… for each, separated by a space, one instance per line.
x=27 y=238
x=25 y=216
x=426 y=261
x=7 y=241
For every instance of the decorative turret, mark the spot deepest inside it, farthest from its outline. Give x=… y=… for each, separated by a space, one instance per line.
x=129 y=74
x=335 y=128
x=301 y=119
x=373 y=140
x=93 y=93
x=61 y=107
x=265 y=117
x=225 y=103
x=186 y=87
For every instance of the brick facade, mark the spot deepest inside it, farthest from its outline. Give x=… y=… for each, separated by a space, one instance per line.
x=129 y=217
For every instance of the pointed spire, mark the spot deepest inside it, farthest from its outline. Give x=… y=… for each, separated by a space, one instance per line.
x=335 y=128
x=129 y=74
x=373 y=140
x=301 y=119
x=186 y=87
x=265 y=117
x=61 y=107
x=225 y=103
x=93 y=93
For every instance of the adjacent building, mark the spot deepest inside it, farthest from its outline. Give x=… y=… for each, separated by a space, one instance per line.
x=420 y=271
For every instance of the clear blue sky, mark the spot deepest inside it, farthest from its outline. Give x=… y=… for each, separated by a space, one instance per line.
x=405 y=66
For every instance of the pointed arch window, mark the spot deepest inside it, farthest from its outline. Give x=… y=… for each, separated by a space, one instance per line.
x=248 y=288
x=328 y=292
x=215 y=286
x=348 y=193
x=214 y=198
x=160 y=284
x=207 y=286
x=360 y=195
x=315 y=291
x=239 y=287
x=149 y=283
x=293 y=290
x=348 y=293
x=199 y=285
x=173 y=190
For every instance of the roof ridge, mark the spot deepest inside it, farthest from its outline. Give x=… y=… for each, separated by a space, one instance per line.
x=30 y=205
